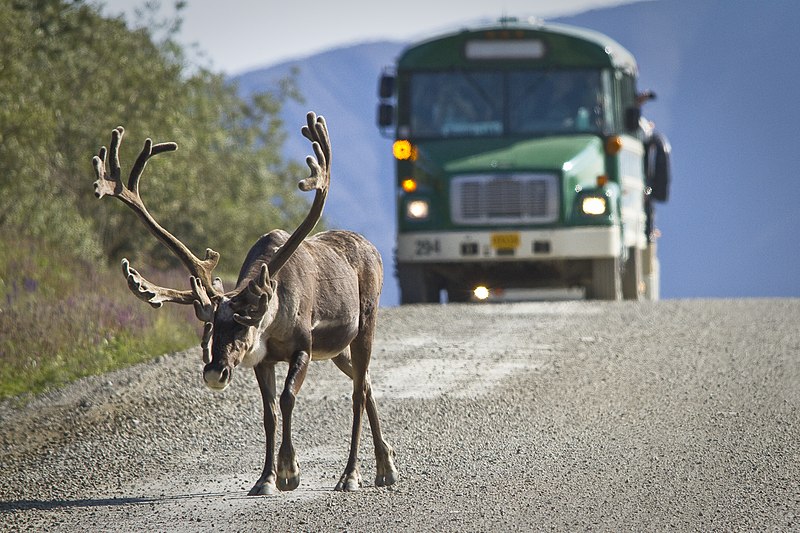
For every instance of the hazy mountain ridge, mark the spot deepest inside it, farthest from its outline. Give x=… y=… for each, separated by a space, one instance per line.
x=341 y=84
x=725 y=77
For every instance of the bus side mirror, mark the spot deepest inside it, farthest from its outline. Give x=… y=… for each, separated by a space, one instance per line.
x=657 y=166
x=632 y=116
x=385 y=115
x=386 y=86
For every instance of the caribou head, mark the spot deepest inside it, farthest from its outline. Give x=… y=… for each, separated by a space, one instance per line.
x=295 y=299
x=233 y=328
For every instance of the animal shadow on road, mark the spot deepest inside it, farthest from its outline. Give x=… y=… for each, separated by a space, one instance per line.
x=48 y=505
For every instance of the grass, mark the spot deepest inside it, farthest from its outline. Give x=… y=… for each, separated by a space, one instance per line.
x=62 y=318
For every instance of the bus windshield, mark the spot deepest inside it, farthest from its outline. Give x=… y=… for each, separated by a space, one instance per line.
x=496 y=103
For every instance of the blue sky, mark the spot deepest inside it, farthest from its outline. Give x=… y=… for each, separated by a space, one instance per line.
x=239 y=35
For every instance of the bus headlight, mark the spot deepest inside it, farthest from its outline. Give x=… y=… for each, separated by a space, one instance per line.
x=481 y=292
x=417 y=209
x=594 y=205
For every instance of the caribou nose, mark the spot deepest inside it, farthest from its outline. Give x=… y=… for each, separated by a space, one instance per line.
x=217 y=376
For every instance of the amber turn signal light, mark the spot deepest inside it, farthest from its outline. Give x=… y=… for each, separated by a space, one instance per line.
x=613 y=145
x=409 y=185
x=401 y=149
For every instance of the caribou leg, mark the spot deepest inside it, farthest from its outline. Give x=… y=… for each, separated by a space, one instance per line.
x=386 y=473
x=265 y=374
x=288 y=469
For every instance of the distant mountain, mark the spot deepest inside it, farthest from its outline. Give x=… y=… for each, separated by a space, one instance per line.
x=342 y=85
x=727 y=82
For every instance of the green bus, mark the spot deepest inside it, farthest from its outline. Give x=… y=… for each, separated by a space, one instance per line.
x=522 y=162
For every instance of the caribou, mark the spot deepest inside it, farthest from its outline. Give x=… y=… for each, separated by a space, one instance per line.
x=297 y=299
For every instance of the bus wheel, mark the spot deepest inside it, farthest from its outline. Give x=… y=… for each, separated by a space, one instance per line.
x=416 y=285
x=457 y=294
x=650 y=272
x=632 y=275
x=606 y=281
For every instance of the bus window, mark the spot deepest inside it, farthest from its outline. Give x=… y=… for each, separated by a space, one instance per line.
x=608 y=107
x=455 y=104
x=551 y=101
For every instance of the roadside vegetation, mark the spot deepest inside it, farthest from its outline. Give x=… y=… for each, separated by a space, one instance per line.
x=70 y=75
x=63 y=318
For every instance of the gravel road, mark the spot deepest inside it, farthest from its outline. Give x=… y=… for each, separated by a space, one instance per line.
x=528 y=416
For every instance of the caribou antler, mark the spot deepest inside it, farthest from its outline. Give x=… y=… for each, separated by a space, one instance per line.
x=315 y=131
x=250 y=303
x=150 y=292
x=110 y=183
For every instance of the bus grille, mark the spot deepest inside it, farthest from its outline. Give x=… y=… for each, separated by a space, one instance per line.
x=505 y=199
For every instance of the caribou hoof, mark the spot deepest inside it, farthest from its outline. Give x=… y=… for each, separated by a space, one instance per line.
x=386 y=472
x=290 y=483
x=288 y=470
x=384 y=480
x=349 y=483
x=263 y=489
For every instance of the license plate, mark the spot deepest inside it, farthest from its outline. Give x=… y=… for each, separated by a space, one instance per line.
x=505 y=241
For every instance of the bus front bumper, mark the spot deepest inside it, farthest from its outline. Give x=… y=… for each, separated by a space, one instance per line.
x=583 y=242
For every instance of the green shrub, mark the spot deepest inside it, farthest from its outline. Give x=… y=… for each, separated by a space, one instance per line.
x=62 y=319
x=70 y=75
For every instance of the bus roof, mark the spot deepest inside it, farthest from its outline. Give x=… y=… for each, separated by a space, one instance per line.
x=562 y=46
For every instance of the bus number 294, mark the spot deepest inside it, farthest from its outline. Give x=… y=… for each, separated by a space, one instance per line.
x=427 y=246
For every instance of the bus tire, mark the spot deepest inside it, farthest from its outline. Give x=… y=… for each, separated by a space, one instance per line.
x=632 y=275
x=456 y=294
x=606 y=283
x=417 y=286
x=651 y=273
